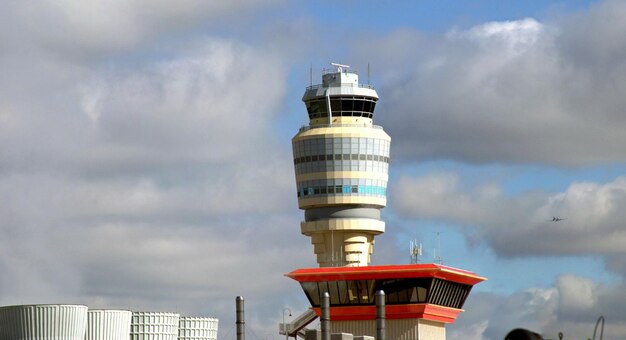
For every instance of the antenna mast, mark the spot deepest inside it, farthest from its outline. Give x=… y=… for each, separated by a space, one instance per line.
x=437 y=252
x=415 y=250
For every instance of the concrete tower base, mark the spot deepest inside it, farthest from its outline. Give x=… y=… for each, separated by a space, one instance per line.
x=398 y=329
x=345 y=242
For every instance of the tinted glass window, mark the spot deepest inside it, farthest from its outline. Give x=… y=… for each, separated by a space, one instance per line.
x=358 y=105
x=367 y=106
x=346 y=105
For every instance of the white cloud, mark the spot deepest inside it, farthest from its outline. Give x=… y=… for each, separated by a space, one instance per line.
x=576 y=294
x=435 y=195
x=517 y=91
x=517 y=36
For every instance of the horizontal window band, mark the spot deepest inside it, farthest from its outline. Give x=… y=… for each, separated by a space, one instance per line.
x=342 y=190
x=340 y=157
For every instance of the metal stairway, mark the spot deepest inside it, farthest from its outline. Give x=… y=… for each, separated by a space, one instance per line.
x=296 y=327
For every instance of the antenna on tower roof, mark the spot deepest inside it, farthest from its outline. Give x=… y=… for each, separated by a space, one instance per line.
x=437 y=253
x=415 y=250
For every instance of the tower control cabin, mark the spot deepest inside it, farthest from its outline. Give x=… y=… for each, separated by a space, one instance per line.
x=341 y=162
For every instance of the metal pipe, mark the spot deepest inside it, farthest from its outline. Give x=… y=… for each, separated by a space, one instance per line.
x=241 y=320
x=601 y=318
x=325 y=315
x=380 y=315
x=284 y=324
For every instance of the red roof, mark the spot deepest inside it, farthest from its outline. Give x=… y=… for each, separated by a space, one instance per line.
x=420 y=270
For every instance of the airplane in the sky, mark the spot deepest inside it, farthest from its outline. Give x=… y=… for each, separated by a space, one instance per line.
x=557 y=219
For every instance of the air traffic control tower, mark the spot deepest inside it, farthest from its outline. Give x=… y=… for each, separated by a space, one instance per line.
x=341 y=162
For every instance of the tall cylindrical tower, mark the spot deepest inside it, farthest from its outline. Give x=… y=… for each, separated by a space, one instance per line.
x=341 y=162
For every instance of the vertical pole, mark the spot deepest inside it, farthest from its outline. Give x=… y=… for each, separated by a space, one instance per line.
x=325 y=315
x=380 y=315
x=330 y=111
x=284 y=324
x=241 y=321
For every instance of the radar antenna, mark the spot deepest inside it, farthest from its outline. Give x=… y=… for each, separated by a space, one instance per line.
x=339 y=67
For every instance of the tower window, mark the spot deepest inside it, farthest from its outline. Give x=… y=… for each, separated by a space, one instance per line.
x=346 y=106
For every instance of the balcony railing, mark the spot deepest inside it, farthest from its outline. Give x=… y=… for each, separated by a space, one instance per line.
x=365 y=86
x=309 y=127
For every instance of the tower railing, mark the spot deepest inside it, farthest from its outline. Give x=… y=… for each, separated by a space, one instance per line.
x=317 y=86
x=309 y=127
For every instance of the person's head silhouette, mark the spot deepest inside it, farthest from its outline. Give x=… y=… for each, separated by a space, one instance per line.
x=522 y=334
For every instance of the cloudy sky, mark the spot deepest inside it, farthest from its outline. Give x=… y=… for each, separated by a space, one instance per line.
x=145 y=158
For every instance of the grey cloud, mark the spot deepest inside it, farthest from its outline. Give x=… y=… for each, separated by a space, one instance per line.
x=150 y=183
x=572 y=306
x=519 y=91
x=190 y=269
x=520 y=225
x=492 y=316
x=67 y=241
x=204 y=107
x=80 y=31
x=211 y=105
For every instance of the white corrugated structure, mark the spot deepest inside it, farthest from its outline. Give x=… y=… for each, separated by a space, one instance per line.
x=77 y=322
x=193 y=328
x=37 y=322
x=154 y=326
x=105 y=324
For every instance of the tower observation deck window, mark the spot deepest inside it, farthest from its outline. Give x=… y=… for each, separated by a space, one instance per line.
x=344 y=106
x=397 y=291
